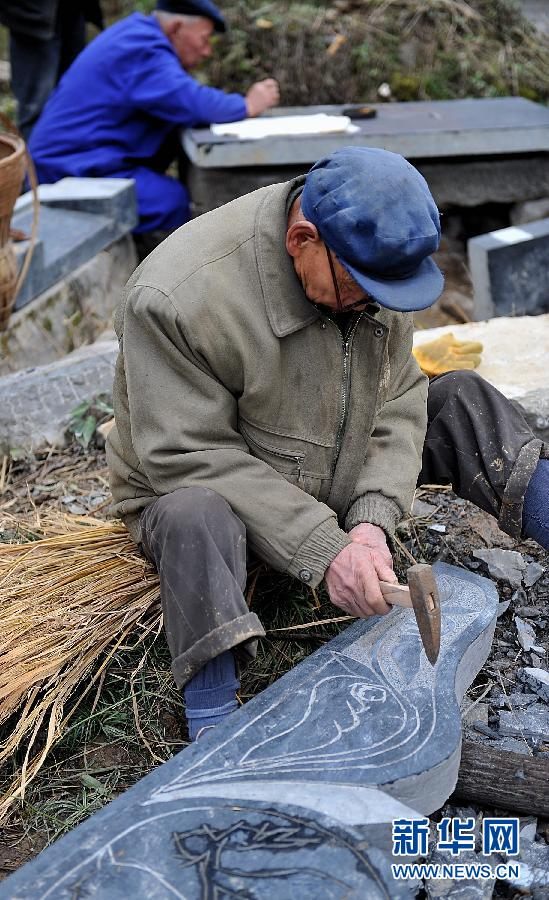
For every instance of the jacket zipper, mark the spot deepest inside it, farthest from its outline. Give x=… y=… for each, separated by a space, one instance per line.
x=283 y=454
x=346 y=345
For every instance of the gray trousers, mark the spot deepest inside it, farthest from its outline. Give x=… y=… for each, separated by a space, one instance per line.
x=476 y=440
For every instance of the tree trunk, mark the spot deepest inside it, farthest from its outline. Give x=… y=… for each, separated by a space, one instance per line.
x=493 y=777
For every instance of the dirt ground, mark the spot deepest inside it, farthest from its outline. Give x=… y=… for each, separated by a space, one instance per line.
x=92 y=766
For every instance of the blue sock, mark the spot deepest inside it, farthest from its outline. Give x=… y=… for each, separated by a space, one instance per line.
x=535 y=512
x=211 y=694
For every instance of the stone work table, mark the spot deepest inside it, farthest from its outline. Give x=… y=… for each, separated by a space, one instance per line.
x=471 y=151
x=293 y=795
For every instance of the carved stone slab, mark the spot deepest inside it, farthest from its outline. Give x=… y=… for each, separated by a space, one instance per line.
x=292 y=795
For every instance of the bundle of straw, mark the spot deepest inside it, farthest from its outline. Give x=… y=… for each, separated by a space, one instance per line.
x=67 y=602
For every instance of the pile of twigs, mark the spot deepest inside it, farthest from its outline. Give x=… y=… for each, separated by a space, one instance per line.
x=68 y=601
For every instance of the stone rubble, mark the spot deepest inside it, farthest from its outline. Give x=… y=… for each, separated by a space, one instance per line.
x=537 y=680
x=527 y=635
x=532 y=574
x=503 y=565
x=534 y=870
x=532 y=722
x=463 y=889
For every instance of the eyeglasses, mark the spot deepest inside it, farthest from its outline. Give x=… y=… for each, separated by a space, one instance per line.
x=334 y=279
x=339 y=302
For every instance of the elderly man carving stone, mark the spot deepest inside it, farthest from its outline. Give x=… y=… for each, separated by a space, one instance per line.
x=266 y=397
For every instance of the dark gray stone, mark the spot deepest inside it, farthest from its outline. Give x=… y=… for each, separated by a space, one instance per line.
x=527 y=635
x=532 y=574
x=293 y=795
x=534 y=870
x=504 y=565
x=78 y=219
x=519 y=701
x=421 y=509
x=113 y=198
x=470 y=151
x=463 y=888
x=532 y=722
x=537 y=680
x=492 y=179
x=454 y=182
x=509 y=271
x=419 y=130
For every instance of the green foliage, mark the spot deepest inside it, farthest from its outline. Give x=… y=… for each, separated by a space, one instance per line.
x=341 y=52
x=87 y=416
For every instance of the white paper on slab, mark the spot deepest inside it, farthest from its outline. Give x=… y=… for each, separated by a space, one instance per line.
x=277 y=126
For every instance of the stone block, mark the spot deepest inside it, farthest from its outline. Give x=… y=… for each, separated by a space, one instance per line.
x=531 y=211
x=532 y=722
x=514 y=360
x=509 y=271
x=493 y=179
x=78 y=218
x=113 y=198
x=294 y=794
x=537 y=680
x=455 y=182
x=429 y=129
x=36 y=403
x=73 y=312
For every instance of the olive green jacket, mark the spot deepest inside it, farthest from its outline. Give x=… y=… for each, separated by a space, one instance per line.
x=229 y=378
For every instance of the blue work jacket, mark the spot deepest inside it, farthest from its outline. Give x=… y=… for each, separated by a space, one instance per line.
x=118 y=103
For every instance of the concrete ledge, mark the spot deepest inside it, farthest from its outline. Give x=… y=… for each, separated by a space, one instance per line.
x=36 y=403
x=73 y=312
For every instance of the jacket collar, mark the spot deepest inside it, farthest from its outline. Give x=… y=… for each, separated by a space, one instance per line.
x=287 y=306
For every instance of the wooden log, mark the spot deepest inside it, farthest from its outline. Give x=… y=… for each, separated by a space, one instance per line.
x=500 y=778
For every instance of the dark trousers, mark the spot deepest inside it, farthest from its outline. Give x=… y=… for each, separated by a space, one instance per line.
x=476 y=440
x=37 y=65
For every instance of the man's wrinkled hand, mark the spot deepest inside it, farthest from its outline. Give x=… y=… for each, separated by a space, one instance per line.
x=374 y=537
x=261 y=96
x=446 y=354
x=353 y=577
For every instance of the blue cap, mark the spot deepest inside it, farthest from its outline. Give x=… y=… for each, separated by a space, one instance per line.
x=204 y=8
x=376 y=213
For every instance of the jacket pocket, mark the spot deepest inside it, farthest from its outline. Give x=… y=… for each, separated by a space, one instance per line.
x=286 y=460
x=301 y=462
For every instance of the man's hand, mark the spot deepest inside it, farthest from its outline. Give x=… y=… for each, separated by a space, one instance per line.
x=353 y=577
x=445 y=354
x=261 y=96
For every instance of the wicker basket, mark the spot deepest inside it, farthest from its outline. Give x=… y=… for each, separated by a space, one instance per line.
x=14 y=161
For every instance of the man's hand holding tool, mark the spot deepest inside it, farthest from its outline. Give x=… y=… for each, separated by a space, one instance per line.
x=362 y=582
x=354 y=575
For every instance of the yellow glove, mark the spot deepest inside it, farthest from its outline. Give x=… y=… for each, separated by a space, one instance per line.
x=445 y=354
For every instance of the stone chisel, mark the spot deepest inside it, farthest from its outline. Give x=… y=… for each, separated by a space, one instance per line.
x=421 y=595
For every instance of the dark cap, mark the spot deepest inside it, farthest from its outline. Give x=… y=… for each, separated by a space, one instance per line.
x=204 y=8
x=375 y=211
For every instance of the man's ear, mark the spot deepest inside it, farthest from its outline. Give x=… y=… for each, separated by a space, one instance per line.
x=174 y=27
x=299 y=234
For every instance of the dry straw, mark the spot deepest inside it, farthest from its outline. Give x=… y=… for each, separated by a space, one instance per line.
x=69 y=600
